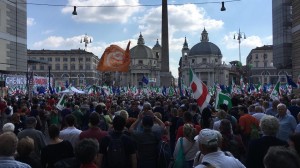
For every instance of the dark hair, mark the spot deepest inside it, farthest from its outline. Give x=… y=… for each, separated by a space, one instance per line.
x=223 y=107
x=187 y=117
x=295 y=138
x=94 y=118
x=119 y=123
x=244 y=109
x=147 y=121
x=86 y=150
x=99 y=109
x=279 y=156
x=53 y=131
x=70 y=120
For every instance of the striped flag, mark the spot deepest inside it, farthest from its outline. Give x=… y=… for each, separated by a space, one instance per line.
x=200 y=90
x=275 y=92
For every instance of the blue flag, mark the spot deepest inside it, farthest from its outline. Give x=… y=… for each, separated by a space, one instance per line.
x=145 y=80
x=164 y=91
x=291 y=82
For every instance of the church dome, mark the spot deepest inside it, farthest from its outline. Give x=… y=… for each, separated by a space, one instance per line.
x=205 y=47
x=140 y=50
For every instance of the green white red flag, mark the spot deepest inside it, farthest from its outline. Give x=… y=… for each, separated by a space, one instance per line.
x=199 y=90
x=275 y=92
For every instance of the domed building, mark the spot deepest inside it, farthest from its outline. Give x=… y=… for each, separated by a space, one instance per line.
x=205 y=59
x=144 y=62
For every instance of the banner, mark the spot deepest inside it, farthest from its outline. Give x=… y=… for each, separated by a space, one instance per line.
x=115 y=59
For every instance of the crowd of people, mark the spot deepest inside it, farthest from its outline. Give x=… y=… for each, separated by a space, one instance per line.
x=149 y=132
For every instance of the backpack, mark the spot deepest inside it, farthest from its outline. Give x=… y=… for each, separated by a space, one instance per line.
x=103 y=124
x=116 y=152
x=164 y=154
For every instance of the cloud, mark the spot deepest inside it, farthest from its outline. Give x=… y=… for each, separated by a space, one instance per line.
x=249 y=42
x=47 y=31
x=30 y=22
x=97 y=14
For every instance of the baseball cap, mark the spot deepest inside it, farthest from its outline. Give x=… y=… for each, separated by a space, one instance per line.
x=207 y=137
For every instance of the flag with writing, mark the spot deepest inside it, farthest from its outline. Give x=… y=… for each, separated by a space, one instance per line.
x=275 y=92
x=61 y=103
x=115 y=59
x=223 y=99
x=199 y=90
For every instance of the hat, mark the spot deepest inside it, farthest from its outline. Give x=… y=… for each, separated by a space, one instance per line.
x=8 y=127
x=207 y=137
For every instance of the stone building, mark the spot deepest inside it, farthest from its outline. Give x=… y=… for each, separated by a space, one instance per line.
x=74 y=66
x=205 y=59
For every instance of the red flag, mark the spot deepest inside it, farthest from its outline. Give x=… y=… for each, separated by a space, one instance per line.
x=115 y=59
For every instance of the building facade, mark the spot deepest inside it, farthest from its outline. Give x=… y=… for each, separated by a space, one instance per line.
x=296 y=41
x=282 y=34
x=13 y=36
x=77 y=67
x=205 y=59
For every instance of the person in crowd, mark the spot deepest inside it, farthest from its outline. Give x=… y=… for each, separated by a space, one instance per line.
x=206 y=118
x=273 y=110
x=26 y=153
x=67 y=110
x=126 y=151
x=172 y=129
x=258 y=148
x=78 y=115
x=86 y=152
x=188 y=119
x=19 y=125
x=8 y=127
x=8 y=148
x=294 y=108
x=213 y=157
x=246 y=124
x=297 y=129
x=94 y=131
x=231 y=142
x=133 y=111
x=230 y=117
x=287 y=123
x=190 y=146
x=220 y=116
x=70 y=133
x=37 y=136
x=278 y=157
x=56 y=150
x=294 y=142
x=258 y=113
x=146 y=141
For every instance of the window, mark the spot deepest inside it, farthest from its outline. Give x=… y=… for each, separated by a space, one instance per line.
x=256 y=64
x=265 y=56
x=65 y=59
x=72 y=59
x=140 y=61
x=57 y=59
x=50 y=59
x=157 y=55
x=42 y=67
x=42 y=58
x=256 y=56
x=266 y=64
x=216 y=60
x=57 y=67
x=33 y=67
x=33 y=58
x=87 y=59
x=87 y=67
x=73 y=66
x=80 y=67
x=80 y=59
x=193 y=60
x=65 y=67
x=204 y=60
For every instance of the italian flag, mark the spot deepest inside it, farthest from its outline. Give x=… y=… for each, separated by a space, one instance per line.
x=275 y=92
x=200 y=90
x=61 y=103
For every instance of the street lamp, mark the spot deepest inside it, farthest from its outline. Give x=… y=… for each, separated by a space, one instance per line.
x=239 y=35
x=86 y=40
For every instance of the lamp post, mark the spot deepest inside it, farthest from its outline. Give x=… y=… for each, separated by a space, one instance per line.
x=239 y=35
x=86 y=40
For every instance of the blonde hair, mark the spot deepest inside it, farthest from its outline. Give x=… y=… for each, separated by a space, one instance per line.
x=189 y=131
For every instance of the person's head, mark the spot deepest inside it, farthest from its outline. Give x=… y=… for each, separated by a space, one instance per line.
x=225 y=126
x=8 y=127
x=158 y=115
x=221 y=114
x=269 y=125
x=281 y=109
x=124 y=114
x=208 y=141
x=189 y=131
x=275 y=103
x=174 y=111
x=119 y=123
x=223 y=107
x=94 y=119
x=258 y=109
x=294 y=142
x=30 y=122
x=53 y=131
x=25 y=146
x=242 y=110
x=187 y=117
x=8 y=144
x=146 y=107
x=70 y=120
x=147 y=122
x=279 y=157
x=86 y=150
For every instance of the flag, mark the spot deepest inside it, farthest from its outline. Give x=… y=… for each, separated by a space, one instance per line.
x=200 y=90
x=115 y=59
x=145 y=80
x=223 y=99
x=290 y=81
x=61 y=103
x=275 y=92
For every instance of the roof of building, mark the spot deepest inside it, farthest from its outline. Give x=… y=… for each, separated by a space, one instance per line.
x=141 y=50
